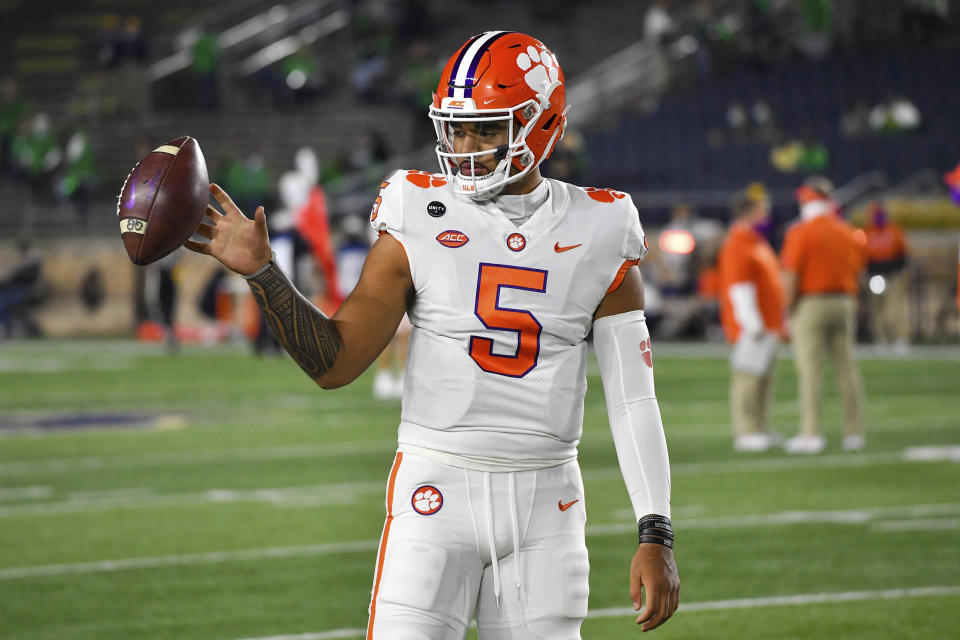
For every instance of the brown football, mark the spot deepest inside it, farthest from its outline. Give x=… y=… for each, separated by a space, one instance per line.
x=163 y=200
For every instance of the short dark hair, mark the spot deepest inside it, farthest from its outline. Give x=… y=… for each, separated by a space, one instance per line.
x=820 y=184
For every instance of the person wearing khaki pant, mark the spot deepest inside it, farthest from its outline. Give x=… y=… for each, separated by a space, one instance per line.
x=752 y=313
x=750 y=399
x=826 y=325
x=822 y=258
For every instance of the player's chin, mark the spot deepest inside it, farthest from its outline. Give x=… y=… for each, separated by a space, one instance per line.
x=476 y=172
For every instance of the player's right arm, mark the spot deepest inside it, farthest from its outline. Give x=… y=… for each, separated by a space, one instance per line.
x=332 y=351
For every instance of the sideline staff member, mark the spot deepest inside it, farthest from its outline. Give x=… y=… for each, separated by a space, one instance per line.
x=887 y=258
x=822 y=259
x=752 y=311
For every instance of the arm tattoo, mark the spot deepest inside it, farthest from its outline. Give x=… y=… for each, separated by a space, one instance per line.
x=303 y=330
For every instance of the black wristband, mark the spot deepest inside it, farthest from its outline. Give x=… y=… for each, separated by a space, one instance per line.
x=655 y=528
x=657 y=532
x=654 y=520
x=656 y=540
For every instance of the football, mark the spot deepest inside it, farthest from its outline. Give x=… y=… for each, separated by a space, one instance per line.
x=163 y=200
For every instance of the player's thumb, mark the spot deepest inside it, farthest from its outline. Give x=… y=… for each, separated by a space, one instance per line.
x=260 y=221
x=635 y=587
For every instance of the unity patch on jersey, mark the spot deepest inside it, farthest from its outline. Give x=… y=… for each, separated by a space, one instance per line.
x=427 y=500
x=436 y=209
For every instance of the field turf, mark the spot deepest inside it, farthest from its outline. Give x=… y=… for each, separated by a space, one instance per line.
x=217 y=496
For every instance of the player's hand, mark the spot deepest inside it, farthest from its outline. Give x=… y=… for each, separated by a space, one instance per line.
x=239 y=243
x=654 y=569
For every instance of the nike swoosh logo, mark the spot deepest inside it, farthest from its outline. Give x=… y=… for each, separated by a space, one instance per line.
x=559 y=249
x=564 y=507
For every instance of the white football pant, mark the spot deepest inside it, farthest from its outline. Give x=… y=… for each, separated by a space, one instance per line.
x=507 y=547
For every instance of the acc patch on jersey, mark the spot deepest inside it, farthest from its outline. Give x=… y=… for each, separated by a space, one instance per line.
x=452 y=238
x=427 y=500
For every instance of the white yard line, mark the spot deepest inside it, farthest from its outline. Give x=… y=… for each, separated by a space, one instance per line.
x=213 y=557
x=345 y=493
x=326 y=635
x=180 y=458
x=143 y=498
x=793 y=600
x=856 y=516
x=777 y=464
x=26 y=493
x=110 y=494
x=709 y=605
x=930 y=524
x=846 y=516
x=386 y=447
x=929 y=454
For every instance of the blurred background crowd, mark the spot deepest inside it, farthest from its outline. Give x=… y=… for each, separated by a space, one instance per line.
x=305 y=106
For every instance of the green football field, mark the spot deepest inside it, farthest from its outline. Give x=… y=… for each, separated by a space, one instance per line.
x=217 y=496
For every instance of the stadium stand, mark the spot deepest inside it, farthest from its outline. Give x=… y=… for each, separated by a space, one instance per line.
x=726 y=96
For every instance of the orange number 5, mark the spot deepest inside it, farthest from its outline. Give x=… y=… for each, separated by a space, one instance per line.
x=491 y=278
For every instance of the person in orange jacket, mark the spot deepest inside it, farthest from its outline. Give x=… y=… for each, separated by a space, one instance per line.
x=822 y=257
x=752 y=309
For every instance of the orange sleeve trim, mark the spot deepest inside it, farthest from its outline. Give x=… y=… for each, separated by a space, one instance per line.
x=621 y=274
x=383 y=543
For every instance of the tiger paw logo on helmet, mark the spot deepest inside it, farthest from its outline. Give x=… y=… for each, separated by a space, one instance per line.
x=543 y=73
x=427 y=500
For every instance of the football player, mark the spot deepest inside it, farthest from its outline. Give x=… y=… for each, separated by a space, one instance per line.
x=505 y=275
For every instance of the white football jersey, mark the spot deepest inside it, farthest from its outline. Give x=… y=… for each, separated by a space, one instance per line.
x=496 y=371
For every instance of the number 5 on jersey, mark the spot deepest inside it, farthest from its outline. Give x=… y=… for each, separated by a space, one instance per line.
x=490 y=279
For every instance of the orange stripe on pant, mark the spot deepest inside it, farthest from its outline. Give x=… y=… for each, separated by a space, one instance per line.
x=383 y=543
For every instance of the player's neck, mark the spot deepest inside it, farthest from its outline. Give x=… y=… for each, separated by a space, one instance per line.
x=521 y=207
x=525 y=185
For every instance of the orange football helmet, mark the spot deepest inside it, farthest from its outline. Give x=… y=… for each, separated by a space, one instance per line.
x=500 y=76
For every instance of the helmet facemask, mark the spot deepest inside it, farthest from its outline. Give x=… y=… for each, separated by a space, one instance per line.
x=515 y=153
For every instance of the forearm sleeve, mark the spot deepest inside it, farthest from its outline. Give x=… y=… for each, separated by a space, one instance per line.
x=743 y=298
x=622 y=343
